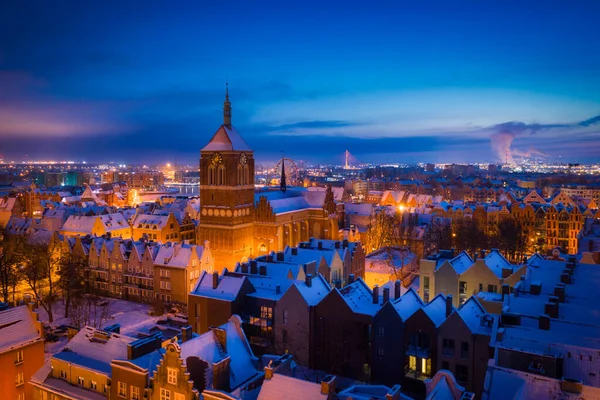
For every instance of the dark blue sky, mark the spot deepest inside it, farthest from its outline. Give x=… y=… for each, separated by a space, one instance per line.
x=388 y=80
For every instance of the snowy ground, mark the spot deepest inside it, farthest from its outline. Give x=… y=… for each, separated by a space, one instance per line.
x=133 y=318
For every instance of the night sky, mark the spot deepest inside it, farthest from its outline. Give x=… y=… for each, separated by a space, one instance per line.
x=391 y=81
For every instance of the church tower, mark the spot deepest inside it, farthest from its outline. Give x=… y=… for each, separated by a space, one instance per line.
x=227 y=194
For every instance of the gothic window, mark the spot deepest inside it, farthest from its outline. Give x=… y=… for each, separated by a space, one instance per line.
x=240 y=176
x=221 y=176
x=211 y=175
x=246 y=175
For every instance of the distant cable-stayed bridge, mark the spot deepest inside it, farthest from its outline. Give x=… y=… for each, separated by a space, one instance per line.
x=349 y=160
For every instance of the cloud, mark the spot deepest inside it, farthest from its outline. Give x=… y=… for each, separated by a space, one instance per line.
x=503 y=135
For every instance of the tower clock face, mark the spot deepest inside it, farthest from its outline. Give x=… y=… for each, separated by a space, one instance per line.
x=216 y=159
x=243 y=159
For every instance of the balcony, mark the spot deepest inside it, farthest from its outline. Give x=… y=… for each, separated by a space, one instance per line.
x=416 y=351
x=414 y=374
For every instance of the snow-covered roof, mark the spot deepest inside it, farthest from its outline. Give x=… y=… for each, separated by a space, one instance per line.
x=150 y=221
x=472 y=313
x=94 y=349
x=496 y=263
x=286 y=387
x=17 y=328
x=359 y=298
x=436 y=309
x=316 y=292
x=227 y=138
x=228 y=287
x=266 y=287
x=460 y=263
x=408 y=304
x=177 y=255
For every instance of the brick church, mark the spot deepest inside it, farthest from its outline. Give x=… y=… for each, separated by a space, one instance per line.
x=241 y=222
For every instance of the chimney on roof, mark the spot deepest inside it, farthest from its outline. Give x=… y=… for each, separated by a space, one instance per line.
x=253 y=267
x=278 y=289
x=551 y=308
x=328 y=385
x=448 y=305
x=215 y=280
x=350 y=279
x=244 y=267
x=280 y=256
x=270 y=257
x=386 y=295
x=338 y=283
x=308 y=280
x=376 y=294
x=345 y=243
x=294 y=251
x=397 y=289
x=220 y=336
x=186 y=333
x=262 y=270
x=320 y=245
x=452 y=252
x=544 y=322
x=482 y=253
x=337 y=244
x=505 y=290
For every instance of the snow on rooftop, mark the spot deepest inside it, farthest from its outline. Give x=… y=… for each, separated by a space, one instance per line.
x=408 y=304
x=496 y=263
x=359 y=298
x=316 y=292
x=227 y=138
x=93 y=349
x=17 y=328
x=436 y=309
x=228 y=287
x=286 y=387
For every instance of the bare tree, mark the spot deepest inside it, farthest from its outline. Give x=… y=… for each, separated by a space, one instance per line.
x=71 y=278
x=10 y=259
x=89 y=310
x=38 y=271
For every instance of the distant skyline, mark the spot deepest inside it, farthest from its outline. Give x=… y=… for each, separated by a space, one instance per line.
x=392 y=81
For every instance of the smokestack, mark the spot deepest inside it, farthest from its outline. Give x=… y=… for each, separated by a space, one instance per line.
x=309 y=280
x=350 y=279
x=448 y=305
x=397 y=289
x=376 y=294
x=215 y=281
x=386 y=295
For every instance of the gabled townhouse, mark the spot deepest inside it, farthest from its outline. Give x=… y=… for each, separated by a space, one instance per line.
x=21 y=351
x=388 y=364
x=461 y=276
x=138 y=278
x=215 y=299
x=177 y=268
x=352 y=254
x=343 y=323
x=328 y=262
x=157 y=227
x=464 y=344
x=421 y=331
x=294 y=318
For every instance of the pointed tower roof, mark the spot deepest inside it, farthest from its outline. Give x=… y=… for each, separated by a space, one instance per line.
x=283 y=184
x=227 y=137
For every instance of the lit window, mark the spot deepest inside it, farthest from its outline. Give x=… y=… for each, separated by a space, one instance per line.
x=179 y=396
x=122 y=389
x=135 y=393
x=19 y=380
x=412 y=363
x=93 y=385
x=21 y=396
x=172 y=376
x=19 y=357
x=80 y=381
x=165 y=394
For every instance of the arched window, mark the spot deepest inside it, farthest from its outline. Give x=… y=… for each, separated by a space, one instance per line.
x=211 y=175
x=262 y=248
x=240 y=175
x=247 y=175
x=221 y=176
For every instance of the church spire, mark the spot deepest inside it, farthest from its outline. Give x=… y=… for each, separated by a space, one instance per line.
x=227 y=108
x=282 y=183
